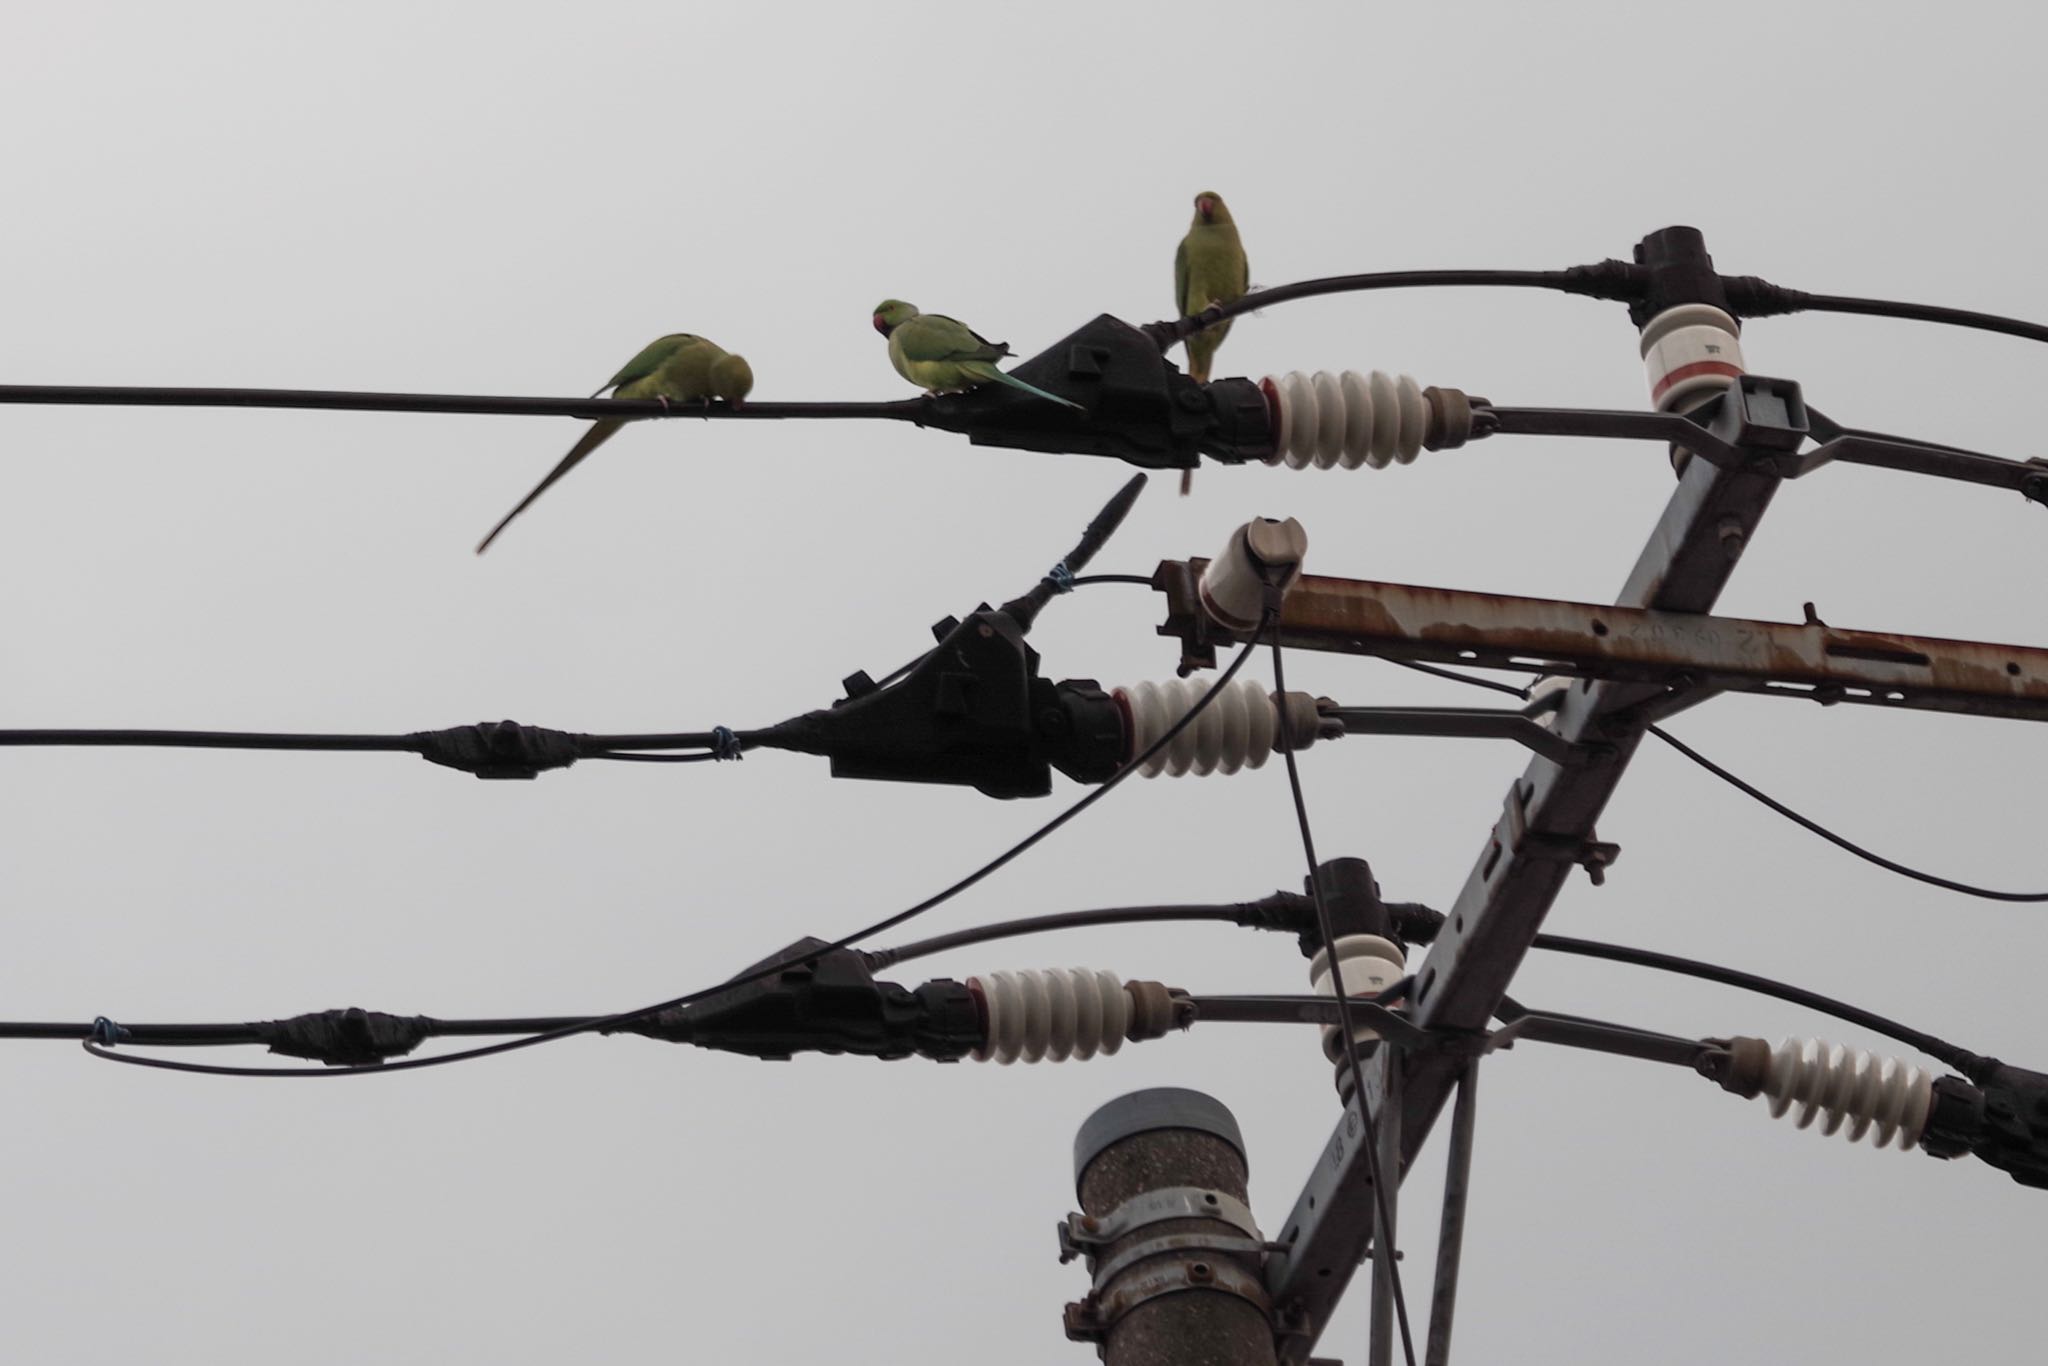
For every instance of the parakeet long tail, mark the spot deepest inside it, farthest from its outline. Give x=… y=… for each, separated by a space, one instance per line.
x=988 y=371
x=599 y=433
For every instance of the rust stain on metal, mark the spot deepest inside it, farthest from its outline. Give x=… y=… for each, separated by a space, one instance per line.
x=1812 y=659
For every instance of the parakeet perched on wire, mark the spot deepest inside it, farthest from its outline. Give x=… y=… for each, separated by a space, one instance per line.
x=943 y=355
x=1209 y=268
x=679 y=368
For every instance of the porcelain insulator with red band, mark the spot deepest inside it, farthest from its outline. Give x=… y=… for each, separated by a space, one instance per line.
x=1690 y=353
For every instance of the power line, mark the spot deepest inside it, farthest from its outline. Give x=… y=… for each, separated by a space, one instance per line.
x=346 y=400
x=1751 y=790
x=1831 y=837
x=1921 y=313
x=755 y=975
x=1385 y=1255
x=1962 y=1059
x=1171 y=330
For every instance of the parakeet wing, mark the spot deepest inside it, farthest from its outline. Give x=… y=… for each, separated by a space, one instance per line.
x=935 y=337
x=1180 y=277
x=651 y=358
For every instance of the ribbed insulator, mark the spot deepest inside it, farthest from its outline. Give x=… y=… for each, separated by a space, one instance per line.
x=1235 y=731
x=1848 y=1085
x=1370 y=965
x=1327 y=420
x=1051 y=1015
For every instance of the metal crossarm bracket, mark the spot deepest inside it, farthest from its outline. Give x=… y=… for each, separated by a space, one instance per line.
x=1676 y=654
x=1552 y=809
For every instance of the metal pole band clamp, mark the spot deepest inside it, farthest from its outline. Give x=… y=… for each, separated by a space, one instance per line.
x=1091 y=1319
x=1083 y=1235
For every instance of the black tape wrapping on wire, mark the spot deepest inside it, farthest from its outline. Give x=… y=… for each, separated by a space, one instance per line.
x=351 y=1037
x=498 y=749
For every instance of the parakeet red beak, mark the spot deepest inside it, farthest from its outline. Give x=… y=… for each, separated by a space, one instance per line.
x=1206 y=207
x=881 y=326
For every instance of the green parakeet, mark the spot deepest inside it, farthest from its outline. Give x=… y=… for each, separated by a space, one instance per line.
x=678 y=368
x=943 y=355
x=1209 y=268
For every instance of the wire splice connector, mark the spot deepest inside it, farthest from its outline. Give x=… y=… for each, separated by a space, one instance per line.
x=1352 y=419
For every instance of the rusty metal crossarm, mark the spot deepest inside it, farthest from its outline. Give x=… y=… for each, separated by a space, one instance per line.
x=1543 y=833
x=1682 y=651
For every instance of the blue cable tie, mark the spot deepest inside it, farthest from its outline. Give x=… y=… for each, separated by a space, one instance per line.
x=106 y=1033
x=1060 y=577
x=725 y=744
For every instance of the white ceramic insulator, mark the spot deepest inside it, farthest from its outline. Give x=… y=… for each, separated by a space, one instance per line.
x=1328 y=420
x=1370 y=965
x=1237 y=730
x=1690 y=353
x=1052 y=1015
x=1882 y=1096
x=1263 y=554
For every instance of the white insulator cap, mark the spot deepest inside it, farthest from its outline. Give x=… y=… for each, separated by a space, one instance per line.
x=1237 y=730
x=1233 y=587
x=1348 y=420
x=1690 y=353
x=1370 y=965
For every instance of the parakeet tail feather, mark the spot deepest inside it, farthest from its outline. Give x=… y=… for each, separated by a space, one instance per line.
x=599 y=433
x=1016 y=383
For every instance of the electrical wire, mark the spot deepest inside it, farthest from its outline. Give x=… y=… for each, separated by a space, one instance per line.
x=1919 y=313
x=1456 y=677
x=1045 y=924
x=1176 y=329
x=1751 y=790
x=1385 y=1253
x=1831 y=837
x=1962 y=1059
x=758 y=974
x=418 y=742
x=160 y=396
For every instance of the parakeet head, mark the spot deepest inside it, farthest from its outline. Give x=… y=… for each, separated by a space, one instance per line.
x=732 y=379
x=891 y=314
x=1209 y=208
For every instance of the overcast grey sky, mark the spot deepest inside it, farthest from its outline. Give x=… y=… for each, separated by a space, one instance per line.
x=513 y=198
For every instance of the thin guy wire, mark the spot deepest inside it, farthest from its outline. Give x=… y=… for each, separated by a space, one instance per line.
x=1751 y=790
x=1384 y=1245
x=758 y=974
x=1831 y=837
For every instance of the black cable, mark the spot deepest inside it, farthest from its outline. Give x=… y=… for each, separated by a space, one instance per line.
x=1962 y=1059
x=417 y=742
x=1434 y=672
x=1581 y=281
x=158 y=396
x=1042 y=924
x=203 y=739
x=1386 y=1255
x=1142 y=580
x=1919 y=313
x=758 y=974
x=1773 y=803
x=1831 y=837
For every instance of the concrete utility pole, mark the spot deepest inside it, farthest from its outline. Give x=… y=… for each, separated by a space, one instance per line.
x=1164 y=1226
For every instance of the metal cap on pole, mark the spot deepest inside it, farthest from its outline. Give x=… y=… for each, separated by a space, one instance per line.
x=1175 y=1254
